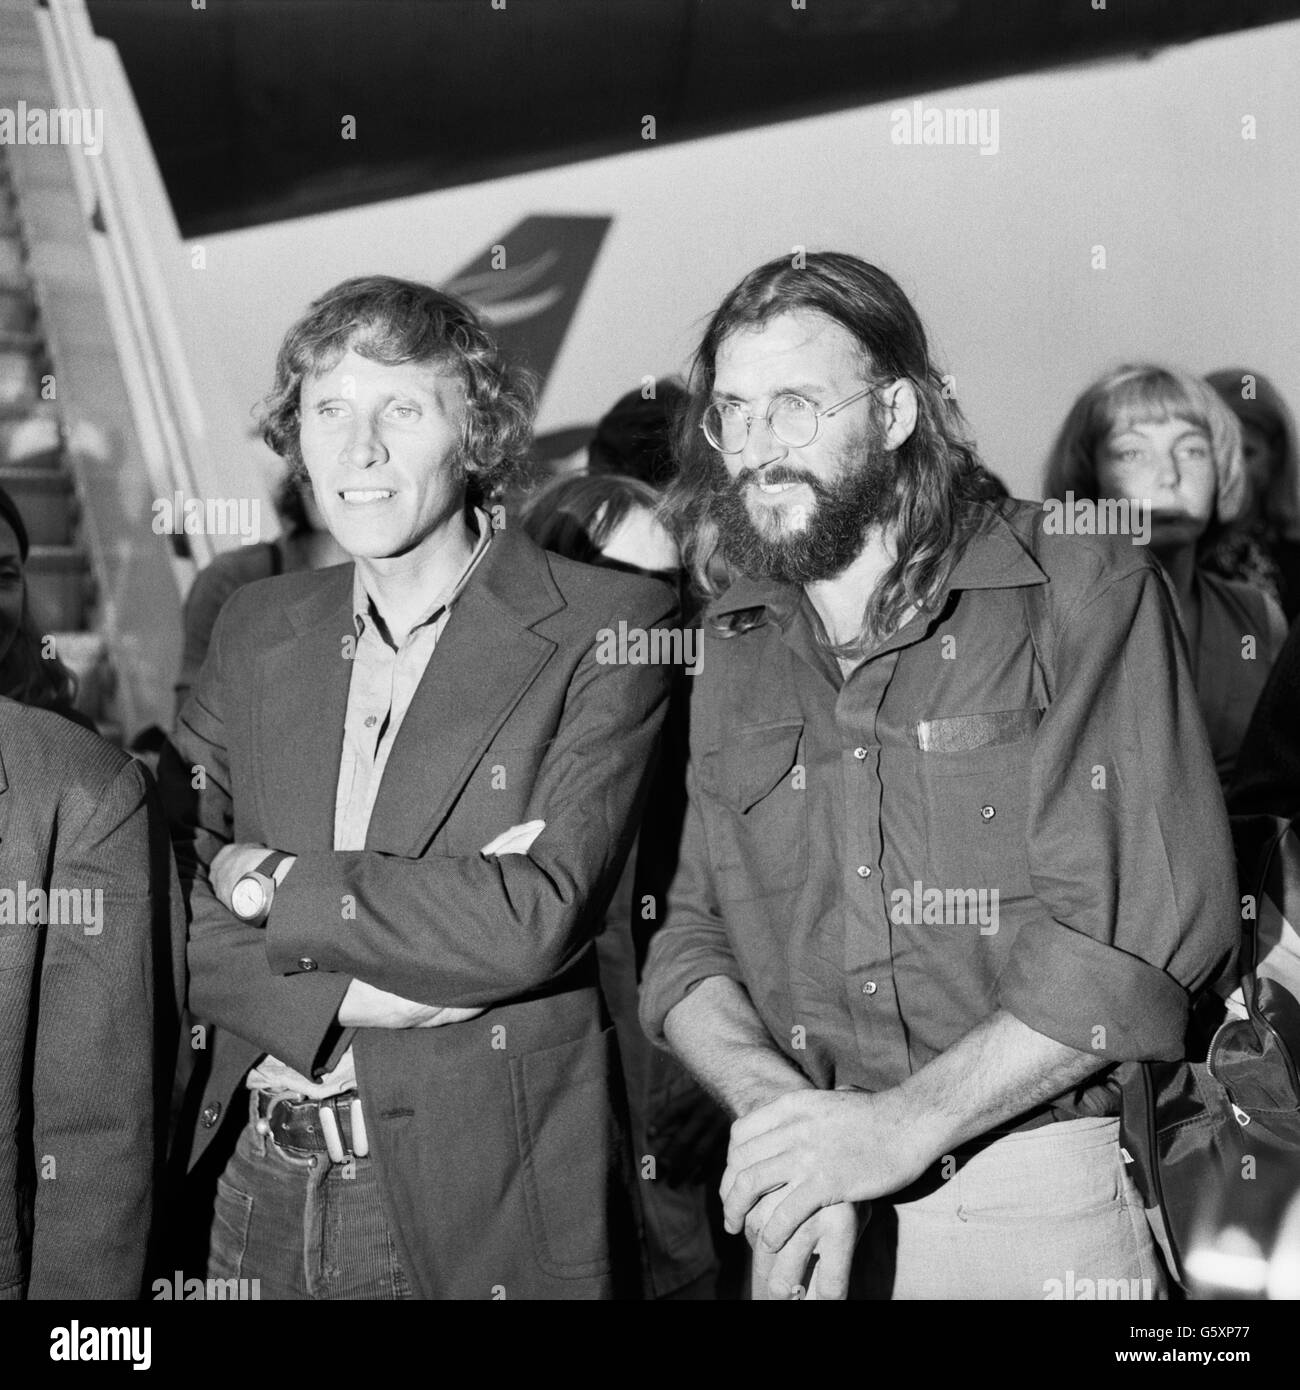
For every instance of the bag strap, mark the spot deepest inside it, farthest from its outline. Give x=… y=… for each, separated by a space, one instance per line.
x=1265 y=870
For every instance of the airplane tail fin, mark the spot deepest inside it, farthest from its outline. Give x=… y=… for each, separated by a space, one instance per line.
x=528 y=285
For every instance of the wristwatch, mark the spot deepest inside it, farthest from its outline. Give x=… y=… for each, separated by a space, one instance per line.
x=250 y=898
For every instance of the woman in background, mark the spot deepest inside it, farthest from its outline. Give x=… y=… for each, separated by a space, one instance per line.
x=1163 y=439
x=1263 y=544
x=30 y=670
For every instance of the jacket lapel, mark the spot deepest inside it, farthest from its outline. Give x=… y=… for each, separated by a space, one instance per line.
x=487 y=657
x=300 y=710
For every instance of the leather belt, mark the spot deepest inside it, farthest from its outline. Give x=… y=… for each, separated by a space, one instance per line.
x=334 y=1125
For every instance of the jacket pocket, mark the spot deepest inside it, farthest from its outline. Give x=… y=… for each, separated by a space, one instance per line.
x=976 y=800
x=569 y=1144
x=756 y=811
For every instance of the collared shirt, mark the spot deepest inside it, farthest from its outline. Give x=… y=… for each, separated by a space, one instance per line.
x=384 y=680
x=886 y=859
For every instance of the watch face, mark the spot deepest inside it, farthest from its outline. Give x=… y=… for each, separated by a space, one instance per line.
x=247 y=898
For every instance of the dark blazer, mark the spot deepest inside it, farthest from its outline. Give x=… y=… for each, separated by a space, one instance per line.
x=499 y=1141
x=88 y=1007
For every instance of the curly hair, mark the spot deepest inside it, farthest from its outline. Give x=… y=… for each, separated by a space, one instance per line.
x=940 y=483
x=1143 y=393
x=397 y=321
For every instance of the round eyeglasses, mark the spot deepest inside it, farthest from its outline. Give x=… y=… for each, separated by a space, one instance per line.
x=793 y=420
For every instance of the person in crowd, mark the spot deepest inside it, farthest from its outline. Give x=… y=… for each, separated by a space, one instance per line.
x=30 y=669
x=1163 y=442
x=634 y=437
x=1263 y=546
x=954 y=844
x=603 y=519
x=1267 y=779
x=608 y=519
x=305 y=544
x=92 y=932
x=405 y=789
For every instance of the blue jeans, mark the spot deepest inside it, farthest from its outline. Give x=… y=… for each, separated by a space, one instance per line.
x=303 y=1226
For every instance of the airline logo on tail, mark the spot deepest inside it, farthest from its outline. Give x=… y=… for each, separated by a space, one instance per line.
x=527 y=286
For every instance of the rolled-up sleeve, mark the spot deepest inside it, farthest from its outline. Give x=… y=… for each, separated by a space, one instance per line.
x=691 y=945
x=1130 y=854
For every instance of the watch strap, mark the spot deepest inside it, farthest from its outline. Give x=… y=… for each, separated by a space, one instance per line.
x=271 y=863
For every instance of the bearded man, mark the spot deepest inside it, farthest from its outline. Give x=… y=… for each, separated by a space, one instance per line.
x=955 y=848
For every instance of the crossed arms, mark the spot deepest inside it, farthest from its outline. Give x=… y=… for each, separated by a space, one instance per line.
x=440 y=931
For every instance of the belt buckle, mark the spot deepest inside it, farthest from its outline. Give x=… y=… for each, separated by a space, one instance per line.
x=267 y=1102
x=263 y=1104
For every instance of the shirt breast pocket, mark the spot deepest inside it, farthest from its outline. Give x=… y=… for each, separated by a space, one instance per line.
x=975 y=773
x=756 y=812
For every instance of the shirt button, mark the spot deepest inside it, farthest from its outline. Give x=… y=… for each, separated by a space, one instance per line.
x=987 y=812
x=859 y=753
x=211 y=1115
x=371 y=720
x=864 y=870
x=869 y=987
x=306 y=963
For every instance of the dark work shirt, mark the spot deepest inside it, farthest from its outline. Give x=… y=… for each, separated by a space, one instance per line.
x=824 y=810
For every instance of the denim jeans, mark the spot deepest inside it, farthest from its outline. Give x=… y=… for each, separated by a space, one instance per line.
x=302 y=1225
x=1047 y=1213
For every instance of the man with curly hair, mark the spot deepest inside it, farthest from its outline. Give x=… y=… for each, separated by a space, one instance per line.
x=405 y=790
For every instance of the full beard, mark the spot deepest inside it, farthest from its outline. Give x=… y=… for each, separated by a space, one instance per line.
x=860 y=496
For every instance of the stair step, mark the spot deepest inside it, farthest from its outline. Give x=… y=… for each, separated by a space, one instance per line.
x=46 y=501
x=17 y=310
x=19 y=379
x=24 y=341
x=58 y=582
x=30 y=439
x=12 y=259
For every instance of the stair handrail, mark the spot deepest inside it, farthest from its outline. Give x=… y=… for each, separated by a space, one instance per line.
x=164 y=402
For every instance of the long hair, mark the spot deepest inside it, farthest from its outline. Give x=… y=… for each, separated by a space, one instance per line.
x=1254 y=400
x=1142 y=393
x=939 y=483
x=397 y=321
x=575 y=515
x=28 y=674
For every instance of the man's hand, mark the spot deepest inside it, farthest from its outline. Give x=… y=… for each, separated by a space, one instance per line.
x=830 y=1234
x=230 y=864
x=819 y=1148
x=364 y=1006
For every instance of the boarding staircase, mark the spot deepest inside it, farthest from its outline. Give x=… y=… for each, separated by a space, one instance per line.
x=99 y=412
x=36 y=471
